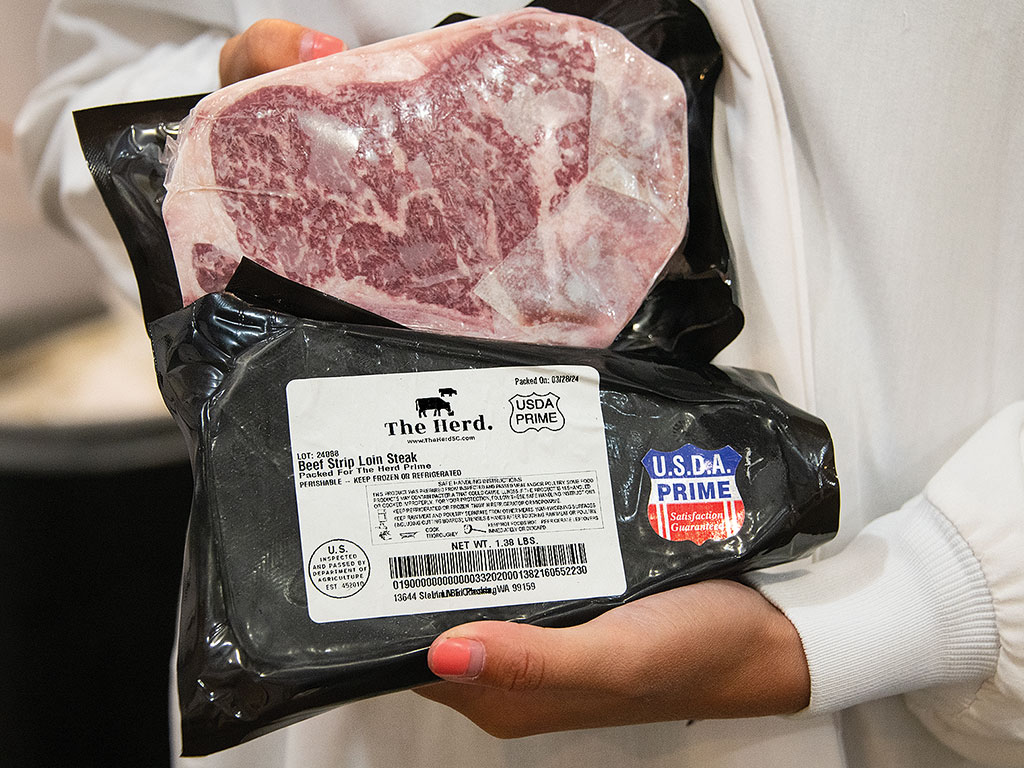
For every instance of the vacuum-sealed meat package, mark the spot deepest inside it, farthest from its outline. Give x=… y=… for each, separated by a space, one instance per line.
x=545 y=210
x=361 y=489
x=428 y=378
x=519 y=177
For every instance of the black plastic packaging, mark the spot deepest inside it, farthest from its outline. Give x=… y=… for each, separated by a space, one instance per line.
x=251 y=658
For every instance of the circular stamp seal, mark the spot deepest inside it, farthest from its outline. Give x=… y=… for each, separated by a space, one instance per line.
x=339 y=568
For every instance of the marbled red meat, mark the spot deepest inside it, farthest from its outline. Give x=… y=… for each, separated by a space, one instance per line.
x=518 y=177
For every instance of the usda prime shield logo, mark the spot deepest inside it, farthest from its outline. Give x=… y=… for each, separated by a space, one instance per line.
x=693 y=494
x=535 y=411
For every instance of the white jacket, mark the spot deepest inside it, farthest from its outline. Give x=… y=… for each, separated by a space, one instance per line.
x=870 y=160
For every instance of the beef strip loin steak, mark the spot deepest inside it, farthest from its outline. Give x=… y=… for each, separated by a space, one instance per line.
x=519 y=177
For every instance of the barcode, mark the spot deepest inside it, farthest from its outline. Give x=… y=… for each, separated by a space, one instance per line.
x=480 y=560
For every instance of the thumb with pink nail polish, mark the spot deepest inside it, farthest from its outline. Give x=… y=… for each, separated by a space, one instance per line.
x=316 y=45
x=505 y=655
x=456 y=658
x=272 y=44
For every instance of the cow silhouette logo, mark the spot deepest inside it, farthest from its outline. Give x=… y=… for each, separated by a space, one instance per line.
x=694 y=496
x=436 y=404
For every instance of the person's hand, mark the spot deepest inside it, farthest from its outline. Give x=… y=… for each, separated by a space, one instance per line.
x=710 y=650
x=271 y=44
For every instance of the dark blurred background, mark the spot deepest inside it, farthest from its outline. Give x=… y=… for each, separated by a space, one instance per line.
x=90 y=571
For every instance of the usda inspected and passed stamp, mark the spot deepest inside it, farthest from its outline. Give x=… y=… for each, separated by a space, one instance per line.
x=449 y=490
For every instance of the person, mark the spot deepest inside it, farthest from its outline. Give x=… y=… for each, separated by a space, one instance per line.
x=869 y=163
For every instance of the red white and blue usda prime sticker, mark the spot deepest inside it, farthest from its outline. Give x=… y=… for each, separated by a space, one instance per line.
x=693 y=493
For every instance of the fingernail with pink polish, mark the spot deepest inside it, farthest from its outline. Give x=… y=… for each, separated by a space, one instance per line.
x=457 y=658
x=315 y=45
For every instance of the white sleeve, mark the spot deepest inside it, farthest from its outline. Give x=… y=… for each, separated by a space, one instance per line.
x=928 y=602
x=105 y=53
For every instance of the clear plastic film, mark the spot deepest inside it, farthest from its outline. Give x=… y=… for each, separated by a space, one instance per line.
x=518 y=177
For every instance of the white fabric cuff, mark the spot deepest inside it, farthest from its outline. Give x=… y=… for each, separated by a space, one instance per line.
x=905 y=606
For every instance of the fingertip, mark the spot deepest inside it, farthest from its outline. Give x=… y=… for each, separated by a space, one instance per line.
x=458 y=659
x=272 y=44
x=316 y=45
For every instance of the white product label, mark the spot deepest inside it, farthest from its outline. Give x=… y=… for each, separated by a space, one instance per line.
x=449 y=490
